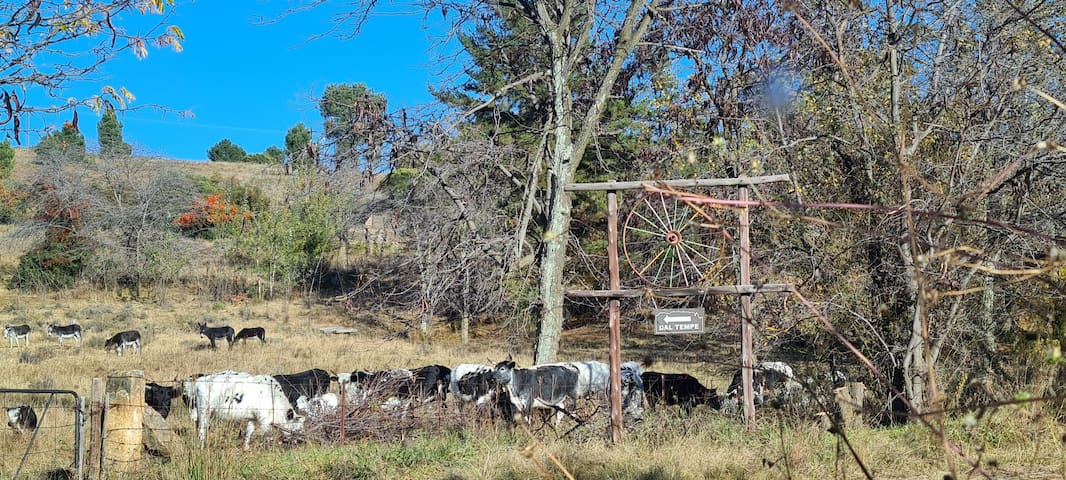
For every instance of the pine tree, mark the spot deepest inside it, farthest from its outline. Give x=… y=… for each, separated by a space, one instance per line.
x=109 y=130
x=227 y=151
x=60 y=146
x=297 y=140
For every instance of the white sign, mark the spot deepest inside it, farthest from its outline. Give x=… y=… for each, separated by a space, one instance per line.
x=678 y=320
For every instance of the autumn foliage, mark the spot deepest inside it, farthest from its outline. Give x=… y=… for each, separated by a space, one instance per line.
x=211 y=213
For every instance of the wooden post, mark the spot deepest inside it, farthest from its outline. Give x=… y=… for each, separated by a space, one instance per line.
x=341 y=409
x=614 y=319
x=96 y=424
x=125 y=420
x=747 y=354
x=849 y=399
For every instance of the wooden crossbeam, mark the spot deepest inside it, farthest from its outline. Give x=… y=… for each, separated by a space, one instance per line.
x=683 y=183
x=683 y=292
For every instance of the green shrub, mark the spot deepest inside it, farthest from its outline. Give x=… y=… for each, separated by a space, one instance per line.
x=51 y=266
x=400 y=179
x=7 y=159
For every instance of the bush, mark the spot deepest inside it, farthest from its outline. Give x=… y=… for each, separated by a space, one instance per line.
x=7 y=159
x=52 y=266
x=400 y=179
x=12 y=204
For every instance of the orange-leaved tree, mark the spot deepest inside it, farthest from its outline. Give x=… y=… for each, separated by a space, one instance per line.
x=212 y=217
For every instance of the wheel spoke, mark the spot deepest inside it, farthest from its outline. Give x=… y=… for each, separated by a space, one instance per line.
x=650 y=262
x=660 y=247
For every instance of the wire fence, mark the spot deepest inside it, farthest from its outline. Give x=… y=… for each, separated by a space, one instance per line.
x=44 y=434
x=236 y=408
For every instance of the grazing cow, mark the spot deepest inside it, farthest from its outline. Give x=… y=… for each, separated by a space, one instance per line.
x=14 y=333
x=542 y=386
x=159 y=397
x=401 y=387
x=22 y=418
x=214 y=333
x=251 y=332
x=256 y=399
x=123 y=340
x=364 y=386
x=678 y=389
x=472 y=382
x=428 y=383
x=477 y=383
x=309 y=383
x=765 y=375
x=594 y=379
x=66 y=331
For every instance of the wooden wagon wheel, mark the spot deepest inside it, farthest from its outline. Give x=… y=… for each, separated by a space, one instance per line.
x=669 y=244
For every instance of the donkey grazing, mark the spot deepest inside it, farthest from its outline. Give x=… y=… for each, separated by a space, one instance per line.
x=214 y=333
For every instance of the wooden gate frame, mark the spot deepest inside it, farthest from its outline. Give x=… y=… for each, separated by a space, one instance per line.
x=745 y=289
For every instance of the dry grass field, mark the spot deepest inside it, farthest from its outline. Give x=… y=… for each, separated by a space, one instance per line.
x=1019 y=441
x=1012 y=442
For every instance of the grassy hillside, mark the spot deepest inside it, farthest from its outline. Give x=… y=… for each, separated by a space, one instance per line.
x=1011 y=442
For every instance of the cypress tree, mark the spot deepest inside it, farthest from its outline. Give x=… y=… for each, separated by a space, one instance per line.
x=109 y=130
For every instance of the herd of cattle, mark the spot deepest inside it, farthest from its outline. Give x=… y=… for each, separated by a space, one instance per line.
x=502 y=390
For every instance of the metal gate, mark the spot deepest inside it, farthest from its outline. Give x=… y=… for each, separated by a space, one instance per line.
x=50 y=447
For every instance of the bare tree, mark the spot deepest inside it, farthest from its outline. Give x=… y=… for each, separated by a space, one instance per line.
x=48 y=44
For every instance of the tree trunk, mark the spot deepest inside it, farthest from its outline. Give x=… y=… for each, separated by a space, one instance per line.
x=559 y=205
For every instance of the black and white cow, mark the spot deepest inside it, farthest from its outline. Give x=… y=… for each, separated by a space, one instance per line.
x=159 y=397
x=772 y=376
x=66 y=331
x=251 y=332
x=308 y=383
x=120 y=341
x=473 y=383
x=215 y=333
x=16 y=332
x=22 y=418
x=476 y=383
x=594 y=381
x=400 y=387
x=678 y=389
x=542 y=386
x=256 y=399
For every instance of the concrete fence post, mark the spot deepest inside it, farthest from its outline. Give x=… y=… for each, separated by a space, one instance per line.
x=125 y=420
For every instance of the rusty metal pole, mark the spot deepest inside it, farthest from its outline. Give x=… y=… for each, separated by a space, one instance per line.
x=614 y=319
x=747 y=355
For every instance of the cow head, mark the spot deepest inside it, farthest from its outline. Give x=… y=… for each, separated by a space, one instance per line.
x=710 y=398
x=504 y=371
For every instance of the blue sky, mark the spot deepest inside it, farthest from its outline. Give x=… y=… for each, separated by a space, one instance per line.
x=251 y=82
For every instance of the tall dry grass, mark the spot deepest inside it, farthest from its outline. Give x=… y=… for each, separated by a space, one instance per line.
x=1016 y=441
